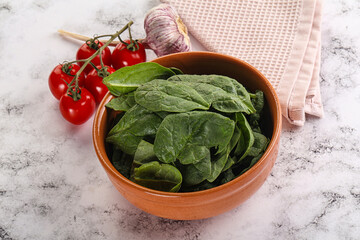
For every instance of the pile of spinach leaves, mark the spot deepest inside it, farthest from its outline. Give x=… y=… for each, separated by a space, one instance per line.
x=180 y=133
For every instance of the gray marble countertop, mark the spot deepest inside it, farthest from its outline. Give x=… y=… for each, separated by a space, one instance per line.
x=53 y=187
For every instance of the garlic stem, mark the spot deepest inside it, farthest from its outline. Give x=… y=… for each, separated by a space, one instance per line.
x=82 y=37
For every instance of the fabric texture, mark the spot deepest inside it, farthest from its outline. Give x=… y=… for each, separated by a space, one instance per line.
x=281 y=38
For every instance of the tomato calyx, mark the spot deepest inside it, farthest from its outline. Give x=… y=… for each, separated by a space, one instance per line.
x=103 y=72
x=67 y=68
x=93 y=43
x=74 y=93
x=132 y=44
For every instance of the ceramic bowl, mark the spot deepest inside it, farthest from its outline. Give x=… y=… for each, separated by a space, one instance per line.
x=211 y=202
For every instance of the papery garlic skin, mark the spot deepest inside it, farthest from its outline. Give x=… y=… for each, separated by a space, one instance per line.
x=165 y=32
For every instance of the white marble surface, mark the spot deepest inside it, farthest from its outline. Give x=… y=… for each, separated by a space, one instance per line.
x=53 y=187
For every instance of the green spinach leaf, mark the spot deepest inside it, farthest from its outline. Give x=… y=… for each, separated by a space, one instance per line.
x=176 y=70
x=144 y=153
x=132 y=127
x=162 y=95
x=123 y=102
x=192 y=154
x=121 y=162
x=252 y=163
x=255 y=153
x=228 y=175
x=232 y=144
x=255 y=118
x=162 y=115
x=163 y=177
x=225 y=94
x=218 y=164
x=259 y=146
x=129 y=78
x=246 y=139
x=196 y=128
x=208 y=168
x=196 y=173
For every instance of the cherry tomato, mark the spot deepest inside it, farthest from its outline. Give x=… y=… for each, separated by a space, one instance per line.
x=122 y=57
x=86 y=51
x=93 y=83
x=57 y=85
x=77 y=112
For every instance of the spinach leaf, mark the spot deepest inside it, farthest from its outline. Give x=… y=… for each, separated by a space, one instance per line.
x=132 y=127
x=162 y=115
x=258 y=103
x=192 y=154
x=232 y=144
x=218 y=98
x=196 y=128
x=163 y=177
x=121 y=162
x=246 y=140
x=162 y=95
x=208 y=168
x=255 y=118
x=226 y=94
x=123 y=102
x=229 y=163
x=220 y=81
x=196 y=173
x=129 y=78
x=254 y=154
x=176 y=70
x=228 y=175
x=235 y=138
x=252 y=163
x=144 y=153
x=218 y=164
x=259 y=146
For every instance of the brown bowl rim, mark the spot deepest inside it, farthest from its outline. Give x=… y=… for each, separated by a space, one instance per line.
x=105 y=162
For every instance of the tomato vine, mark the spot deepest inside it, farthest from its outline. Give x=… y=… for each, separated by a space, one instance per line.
x=73 y=87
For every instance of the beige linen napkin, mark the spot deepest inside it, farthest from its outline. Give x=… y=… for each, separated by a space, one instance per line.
x=281 y=38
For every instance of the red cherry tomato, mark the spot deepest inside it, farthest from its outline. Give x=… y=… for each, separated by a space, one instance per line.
x=122 y=57
x=85 y=51
x=57 y=85
x=77 y=112
x=93 y=83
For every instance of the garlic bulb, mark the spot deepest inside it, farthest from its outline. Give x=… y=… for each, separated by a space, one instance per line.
x=165 y=32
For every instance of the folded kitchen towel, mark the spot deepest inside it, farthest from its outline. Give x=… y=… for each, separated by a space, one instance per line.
x=281 y=38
